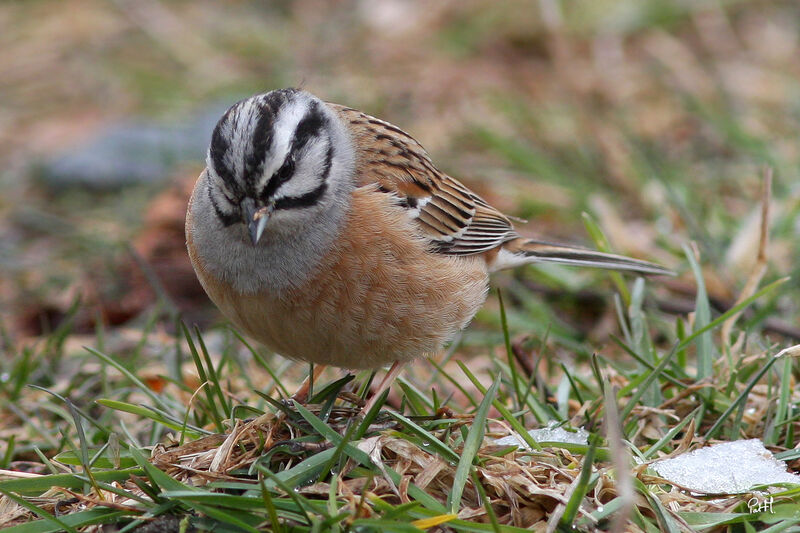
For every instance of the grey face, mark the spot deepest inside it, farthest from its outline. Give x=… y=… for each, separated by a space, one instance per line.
x=270 y=154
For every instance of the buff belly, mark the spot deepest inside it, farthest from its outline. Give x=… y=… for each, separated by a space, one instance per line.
x=376 y=297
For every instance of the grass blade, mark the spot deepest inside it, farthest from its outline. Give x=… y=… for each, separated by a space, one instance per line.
x=741 y=397
x=471 y=446
x=22 y=502
x=131 y=377
x=507 y=415
x=581 y=486
x=702 y=318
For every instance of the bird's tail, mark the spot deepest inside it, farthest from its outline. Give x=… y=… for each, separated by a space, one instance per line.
x=523 y=251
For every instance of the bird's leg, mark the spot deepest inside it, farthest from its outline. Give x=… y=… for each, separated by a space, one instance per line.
x=301 y=395
x=391 y=375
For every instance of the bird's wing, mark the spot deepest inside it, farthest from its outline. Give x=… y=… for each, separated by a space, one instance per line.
x=454 y=219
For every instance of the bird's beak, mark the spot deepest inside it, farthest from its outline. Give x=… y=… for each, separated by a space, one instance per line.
x=256 y=219
x=256 y=226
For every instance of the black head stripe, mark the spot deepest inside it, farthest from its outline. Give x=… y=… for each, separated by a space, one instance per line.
x=281 y=176
x=266 y=108
x=310 y=198
x=309 y=127
x=328 y=161
x=228 y=219
x=306 y=200
x=263 y=133
x=217 y=150
x=262 y=141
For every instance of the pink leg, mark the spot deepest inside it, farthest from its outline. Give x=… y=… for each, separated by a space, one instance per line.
x=391 y=375
x=301 y=396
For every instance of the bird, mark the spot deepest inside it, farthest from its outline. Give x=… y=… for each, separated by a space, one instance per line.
x=329 y=236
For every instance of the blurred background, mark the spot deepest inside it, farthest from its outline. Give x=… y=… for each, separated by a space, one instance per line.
x=656 y=118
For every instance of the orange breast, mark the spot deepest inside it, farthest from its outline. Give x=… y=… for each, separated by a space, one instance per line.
x=377 y=297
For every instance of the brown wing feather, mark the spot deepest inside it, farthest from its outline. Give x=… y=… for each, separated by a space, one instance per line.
x=455 y=220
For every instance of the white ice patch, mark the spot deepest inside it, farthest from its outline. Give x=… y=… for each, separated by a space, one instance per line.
x=726 y=468
x=551 y=433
